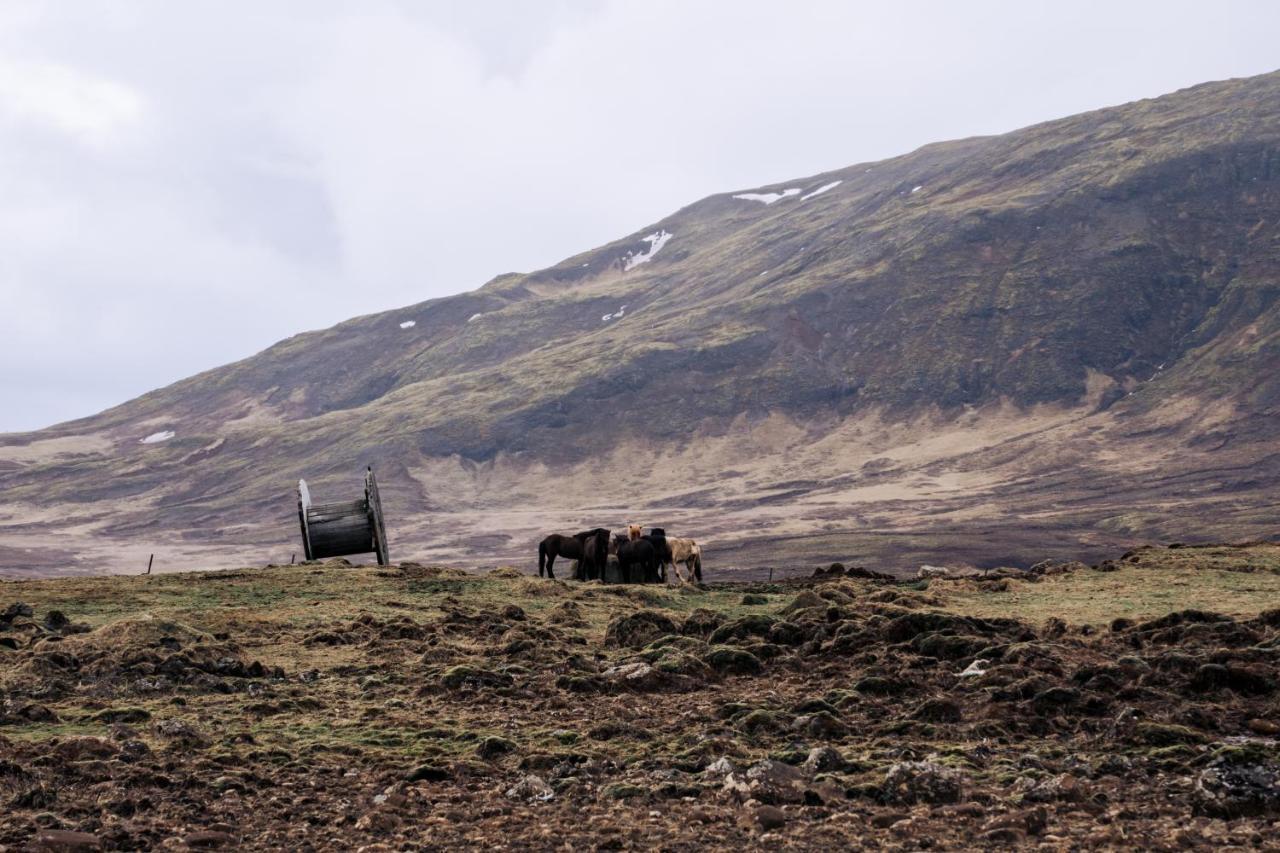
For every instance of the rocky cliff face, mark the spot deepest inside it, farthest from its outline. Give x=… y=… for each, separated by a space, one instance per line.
x=1088 y=306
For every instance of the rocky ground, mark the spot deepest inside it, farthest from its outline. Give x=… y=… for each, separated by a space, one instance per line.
x=322 y=706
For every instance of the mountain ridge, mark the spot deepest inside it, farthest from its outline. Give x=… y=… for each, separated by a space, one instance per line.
x=1119 y=265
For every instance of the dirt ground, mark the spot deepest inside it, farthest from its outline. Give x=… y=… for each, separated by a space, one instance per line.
x=1130 y=704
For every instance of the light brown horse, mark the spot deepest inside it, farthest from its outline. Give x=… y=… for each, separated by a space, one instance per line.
x=688 y=552
x=633 y=532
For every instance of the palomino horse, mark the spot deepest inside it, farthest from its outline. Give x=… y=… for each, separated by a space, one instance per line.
x=688 y=552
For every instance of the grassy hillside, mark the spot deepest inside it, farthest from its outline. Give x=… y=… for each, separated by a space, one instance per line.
x=1132 y=704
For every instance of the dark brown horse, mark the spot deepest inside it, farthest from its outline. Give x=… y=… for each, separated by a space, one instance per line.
x=638 y=561
x=595 y=555
x=573 y=548
x=558 y=545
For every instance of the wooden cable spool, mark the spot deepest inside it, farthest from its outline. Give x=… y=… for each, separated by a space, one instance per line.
x=348 y=527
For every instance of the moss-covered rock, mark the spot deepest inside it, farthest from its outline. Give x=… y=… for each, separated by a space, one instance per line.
x=728 y=659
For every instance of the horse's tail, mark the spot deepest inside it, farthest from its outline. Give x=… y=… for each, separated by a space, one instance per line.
x=542 y=557
x=697 y=564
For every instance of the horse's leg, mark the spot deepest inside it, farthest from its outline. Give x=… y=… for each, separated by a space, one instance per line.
x=551 y=561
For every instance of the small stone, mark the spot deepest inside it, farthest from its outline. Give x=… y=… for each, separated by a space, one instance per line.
x=720 y=767
x=209 y=839
x=822 y=759
x=770 y=817
x=531 y=788
x=1065 y=788
x=181 y=732
x=377 y=821
x=888 y=819
x=66 y=841
x=1264 y=727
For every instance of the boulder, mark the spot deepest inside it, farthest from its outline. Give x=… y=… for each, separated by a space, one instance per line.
x=922 y=782
x=731 y=660
x=1231 y=789
x=531 y=788
x=755 y=625
x=492 y=747
x=807 y=600
x=701 y=622
x=770 y=782
x=637 y=630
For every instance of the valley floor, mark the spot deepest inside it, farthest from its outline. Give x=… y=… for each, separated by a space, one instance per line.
x=321 y=706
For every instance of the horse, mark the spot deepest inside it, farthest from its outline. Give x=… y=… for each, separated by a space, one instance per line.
x=658 y=538
x=559 y=545
x=688 y=552
x=633 y=532
x=618 y=540
x=595 y=554
x=641 y=554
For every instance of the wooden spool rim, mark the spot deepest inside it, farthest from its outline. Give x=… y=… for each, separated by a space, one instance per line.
x=304 y=505
x=374 y=502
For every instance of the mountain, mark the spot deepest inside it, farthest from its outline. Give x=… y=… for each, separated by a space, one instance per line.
x=988 y=351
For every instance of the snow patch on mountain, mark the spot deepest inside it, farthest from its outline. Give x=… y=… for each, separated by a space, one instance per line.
x=408 y=324
x=820 y=190
x=769 y=198
x=157 y=437
x=656 y=241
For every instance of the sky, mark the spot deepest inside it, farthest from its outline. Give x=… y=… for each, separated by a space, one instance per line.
x=184 y=183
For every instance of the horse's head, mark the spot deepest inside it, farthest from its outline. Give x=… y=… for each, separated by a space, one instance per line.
x=633 y=532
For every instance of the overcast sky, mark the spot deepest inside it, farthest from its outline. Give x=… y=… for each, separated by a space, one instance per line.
x=183 y=183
